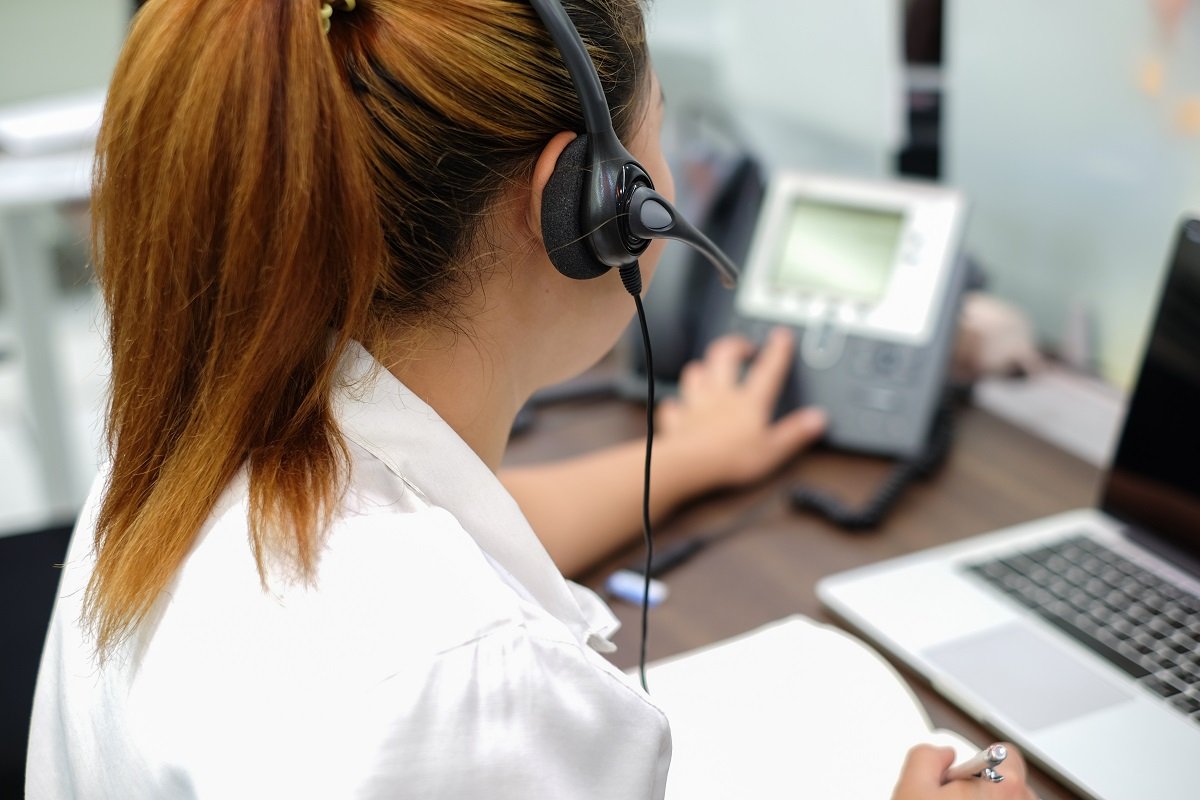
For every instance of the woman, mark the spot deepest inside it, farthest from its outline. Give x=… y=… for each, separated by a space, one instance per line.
x=318 y=238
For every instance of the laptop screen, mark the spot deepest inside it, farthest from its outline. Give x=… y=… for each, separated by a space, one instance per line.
x=1154 y=483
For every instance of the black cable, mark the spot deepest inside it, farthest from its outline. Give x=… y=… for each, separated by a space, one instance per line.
x=646 y=487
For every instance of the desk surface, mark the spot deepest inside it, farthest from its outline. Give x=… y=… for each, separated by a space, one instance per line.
x=996 y=475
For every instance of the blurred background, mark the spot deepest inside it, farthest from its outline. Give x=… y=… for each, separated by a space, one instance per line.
x=1073 y=128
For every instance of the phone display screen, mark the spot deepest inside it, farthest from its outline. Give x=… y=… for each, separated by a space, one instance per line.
x=838 y=251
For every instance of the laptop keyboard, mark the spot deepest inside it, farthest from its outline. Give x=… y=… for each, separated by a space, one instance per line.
x=1143 y=624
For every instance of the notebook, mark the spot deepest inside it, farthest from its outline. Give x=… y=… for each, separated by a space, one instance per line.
x=792 y=709
x=1078 y=636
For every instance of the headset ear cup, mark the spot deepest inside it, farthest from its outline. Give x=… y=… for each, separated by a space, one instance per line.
x=562 y=207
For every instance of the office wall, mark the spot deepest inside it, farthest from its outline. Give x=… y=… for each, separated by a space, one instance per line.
x=60 y=46
x=807 y=84
x=1075 y=171
x=1067 y=124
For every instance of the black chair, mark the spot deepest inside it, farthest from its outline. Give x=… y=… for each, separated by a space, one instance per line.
x=28 y=584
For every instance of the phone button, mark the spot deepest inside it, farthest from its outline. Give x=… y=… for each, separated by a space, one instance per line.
x=877 y=398
x=862 y=358
x=889 y=359
x=822 y=345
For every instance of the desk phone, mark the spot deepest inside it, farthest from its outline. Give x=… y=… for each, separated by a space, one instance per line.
x=869 y=276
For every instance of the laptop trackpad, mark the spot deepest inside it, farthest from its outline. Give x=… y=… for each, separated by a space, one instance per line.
x=1029 y=679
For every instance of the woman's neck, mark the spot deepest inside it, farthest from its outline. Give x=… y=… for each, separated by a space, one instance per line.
x=469 y=384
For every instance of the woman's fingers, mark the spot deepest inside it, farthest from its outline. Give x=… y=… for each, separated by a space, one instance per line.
x=796 y=431
x=770 y=368
x=921 y=778
x=921 y=775
x=725 y=357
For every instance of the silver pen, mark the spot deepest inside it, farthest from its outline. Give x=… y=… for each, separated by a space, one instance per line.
x=979 y=766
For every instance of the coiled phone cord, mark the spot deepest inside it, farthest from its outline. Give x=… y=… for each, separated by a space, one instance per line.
x=872 y=513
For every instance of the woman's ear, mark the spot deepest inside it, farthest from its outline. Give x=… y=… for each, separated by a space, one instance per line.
x=542 y=170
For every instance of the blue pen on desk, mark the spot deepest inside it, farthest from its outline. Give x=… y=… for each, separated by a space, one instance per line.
x=628 y=585
x=982 y=765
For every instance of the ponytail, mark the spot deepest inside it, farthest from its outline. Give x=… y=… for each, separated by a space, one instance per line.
x=265 y=191
x=237 y=245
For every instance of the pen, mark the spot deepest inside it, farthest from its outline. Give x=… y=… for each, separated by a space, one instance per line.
x=980 y=766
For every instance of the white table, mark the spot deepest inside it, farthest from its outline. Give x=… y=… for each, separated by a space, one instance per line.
x=28 y=187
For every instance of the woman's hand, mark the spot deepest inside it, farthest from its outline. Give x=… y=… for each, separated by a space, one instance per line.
x=724 y=421
x=921 y=778
x=718 y=433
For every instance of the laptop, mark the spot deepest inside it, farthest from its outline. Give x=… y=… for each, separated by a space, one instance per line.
x=1077 y=636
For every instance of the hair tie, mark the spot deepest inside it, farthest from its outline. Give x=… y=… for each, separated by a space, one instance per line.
x=327 y=12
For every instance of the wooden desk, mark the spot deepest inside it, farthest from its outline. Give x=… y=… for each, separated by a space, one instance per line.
x=996 y=475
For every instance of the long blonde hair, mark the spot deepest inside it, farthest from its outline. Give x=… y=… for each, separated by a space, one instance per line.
x=266 y=192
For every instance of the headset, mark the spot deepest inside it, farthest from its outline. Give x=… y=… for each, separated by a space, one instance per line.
x=599 y=211
x=599 y=208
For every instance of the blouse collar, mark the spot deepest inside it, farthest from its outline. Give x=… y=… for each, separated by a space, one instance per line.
x=383 y=416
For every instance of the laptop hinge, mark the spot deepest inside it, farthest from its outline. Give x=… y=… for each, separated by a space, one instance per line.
x=1173 y=555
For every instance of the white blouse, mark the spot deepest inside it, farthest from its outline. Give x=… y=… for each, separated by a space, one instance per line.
x=438 y=654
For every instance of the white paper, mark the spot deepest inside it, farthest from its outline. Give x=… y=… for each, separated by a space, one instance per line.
x=792 y=709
